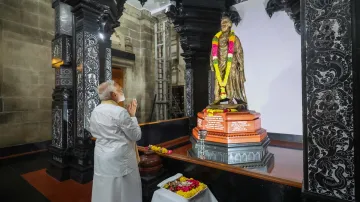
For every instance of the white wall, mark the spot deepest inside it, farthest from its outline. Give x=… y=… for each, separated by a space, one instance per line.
x=272 y=54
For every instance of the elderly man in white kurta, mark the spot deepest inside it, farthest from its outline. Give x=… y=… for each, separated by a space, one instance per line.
x=116 y=173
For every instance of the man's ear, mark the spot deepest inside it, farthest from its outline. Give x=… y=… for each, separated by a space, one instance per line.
x=112 y=94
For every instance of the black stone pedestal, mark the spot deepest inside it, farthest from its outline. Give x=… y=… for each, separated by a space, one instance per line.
x=82 y=169
x=81 y=174
x=58 y=167
x=58 y=171
x=244 y=155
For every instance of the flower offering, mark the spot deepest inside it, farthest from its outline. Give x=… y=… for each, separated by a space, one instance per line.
x=159 y=149
x=185 y=187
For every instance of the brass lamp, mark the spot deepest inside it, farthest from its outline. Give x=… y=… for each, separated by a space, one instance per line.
x=61 y=51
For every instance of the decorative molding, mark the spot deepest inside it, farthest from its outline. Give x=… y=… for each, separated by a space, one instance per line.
x=63 y=16
x=57 y=129
x=64 y=77
x=91 y=75
x=79 y=87
x=69 y=125
x=108 y=66
x=189 y=84
x=62 y=49
x=328 y=99
x=291 y=7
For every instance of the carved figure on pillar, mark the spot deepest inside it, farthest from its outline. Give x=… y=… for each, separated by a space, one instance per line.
x=227 y=60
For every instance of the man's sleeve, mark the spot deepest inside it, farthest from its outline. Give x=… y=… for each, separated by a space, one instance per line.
x=130 y=126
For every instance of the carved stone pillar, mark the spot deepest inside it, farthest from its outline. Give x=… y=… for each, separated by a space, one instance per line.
x=94 y=23
x=196 y=22
x=62 y=107
x=331 y=92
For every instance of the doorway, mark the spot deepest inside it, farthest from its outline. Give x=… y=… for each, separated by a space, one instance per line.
x=118 y=77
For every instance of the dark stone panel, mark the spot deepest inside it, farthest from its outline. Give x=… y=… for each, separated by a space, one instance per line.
x=328 y=98
x=356 y=62
x=163 y=131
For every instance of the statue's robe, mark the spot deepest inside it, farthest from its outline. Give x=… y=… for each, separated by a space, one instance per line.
x=235 y=86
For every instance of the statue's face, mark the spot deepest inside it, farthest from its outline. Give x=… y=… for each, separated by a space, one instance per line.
x=226 y=24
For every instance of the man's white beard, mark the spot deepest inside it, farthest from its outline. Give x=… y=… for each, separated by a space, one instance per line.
x=121 y=98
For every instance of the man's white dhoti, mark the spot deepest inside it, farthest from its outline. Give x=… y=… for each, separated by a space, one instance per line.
x=116 y=172
x=117 y=189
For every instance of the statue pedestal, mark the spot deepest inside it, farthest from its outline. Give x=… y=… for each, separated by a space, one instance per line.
x=232 y=138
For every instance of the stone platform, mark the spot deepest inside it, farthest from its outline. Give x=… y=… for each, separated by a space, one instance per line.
x=234 y=138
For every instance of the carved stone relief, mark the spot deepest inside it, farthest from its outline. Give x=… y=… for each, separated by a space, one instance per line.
x=57 y=132
x=108 y=67
x=329 y=97
x=189 y=82
x=91 y=75
x=70 y=133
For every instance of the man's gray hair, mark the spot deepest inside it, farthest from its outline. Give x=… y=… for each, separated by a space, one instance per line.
x=105 y=89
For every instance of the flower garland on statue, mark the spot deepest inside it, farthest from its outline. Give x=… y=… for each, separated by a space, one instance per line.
x=215 y=48
x=159 y=149
x=185 y=187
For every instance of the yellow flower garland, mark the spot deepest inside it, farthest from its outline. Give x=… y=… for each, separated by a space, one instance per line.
x=215 y=44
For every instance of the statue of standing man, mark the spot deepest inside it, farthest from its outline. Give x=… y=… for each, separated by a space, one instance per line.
x=227 y=60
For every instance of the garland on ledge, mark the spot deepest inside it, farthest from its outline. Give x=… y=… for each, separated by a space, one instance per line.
x=215 y=47
x=161 y=150
x=185 y=187
x=212 y=111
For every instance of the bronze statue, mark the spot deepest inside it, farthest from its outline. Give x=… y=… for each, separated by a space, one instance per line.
x=227 y=60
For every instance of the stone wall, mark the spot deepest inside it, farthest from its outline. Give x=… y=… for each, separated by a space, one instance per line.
x=26 y=76
x=137 y=32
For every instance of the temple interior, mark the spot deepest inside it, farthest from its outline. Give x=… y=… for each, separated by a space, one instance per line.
x=282 y=129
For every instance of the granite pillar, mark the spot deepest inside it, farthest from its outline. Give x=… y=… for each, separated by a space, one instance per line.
x=330 y=77
x=94 y=22
x=62 y=105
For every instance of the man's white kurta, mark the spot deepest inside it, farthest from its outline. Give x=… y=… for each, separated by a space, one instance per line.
x=116 y=173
